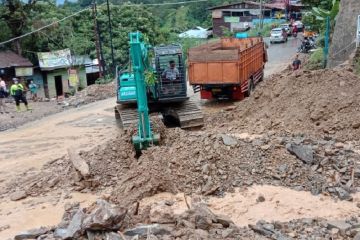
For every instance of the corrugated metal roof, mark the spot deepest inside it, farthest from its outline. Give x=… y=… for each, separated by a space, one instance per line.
x=11 y=59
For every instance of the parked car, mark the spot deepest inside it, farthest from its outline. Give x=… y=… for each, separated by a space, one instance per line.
x=277 y=35
x=299 y=25
x=287 y=28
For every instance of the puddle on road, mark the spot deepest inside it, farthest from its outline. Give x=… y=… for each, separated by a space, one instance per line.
x=281 y=204
x=36 y=212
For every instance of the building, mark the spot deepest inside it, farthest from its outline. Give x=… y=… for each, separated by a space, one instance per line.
x=235 y=17
x=63 y=73
x=238 y=17
x=13 y=65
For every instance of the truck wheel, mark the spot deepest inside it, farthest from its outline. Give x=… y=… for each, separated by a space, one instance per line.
x=250 y=88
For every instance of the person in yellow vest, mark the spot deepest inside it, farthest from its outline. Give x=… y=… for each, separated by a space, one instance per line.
x=17 y=91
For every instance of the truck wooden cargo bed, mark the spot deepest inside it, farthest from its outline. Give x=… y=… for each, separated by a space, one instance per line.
x=227 y=61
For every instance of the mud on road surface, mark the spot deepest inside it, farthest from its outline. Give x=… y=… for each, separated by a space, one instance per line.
x=286 y=140
x=12 y=119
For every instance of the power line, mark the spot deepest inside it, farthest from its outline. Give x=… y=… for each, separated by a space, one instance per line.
x=88 y=8
x=44 y=27
x=168 y=3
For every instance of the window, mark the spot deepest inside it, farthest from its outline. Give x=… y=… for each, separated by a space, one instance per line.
x=237 y=14
x=226 y=14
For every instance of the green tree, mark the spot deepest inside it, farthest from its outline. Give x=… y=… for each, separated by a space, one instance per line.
x=15 y=13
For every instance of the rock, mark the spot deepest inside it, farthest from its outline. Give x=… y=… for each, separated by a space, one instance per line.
x=269 y=227
x=104 y=217
x=206 y=169
x=357 y=236
x=143 y=230
x=32 y=234
x=265 y=147
x=208 y=186
x=203 y=222
x=357 y=172
x=113 y=236
x=4 y=227
x=73 y=230
x=260 y=198
x=339 y=145
x=226 y=233
x=16 y=196
x=259 y=229
x=302 y=152
x=343 y=194
x=338 y=224
x=283 y=168
x=202 y=234
x=79 y=164
x=356 y=125
x=162 y=213
x=224 y=221
x=228 y=141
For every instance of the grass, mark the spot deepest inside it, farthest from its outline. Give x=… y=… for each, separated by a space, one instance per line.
x=316 y=60
x=356 y=63
x=265 y=31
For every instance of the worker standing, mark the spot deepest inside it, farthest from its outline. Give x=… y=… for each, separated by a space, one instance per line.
x=3 y=95
x=296 y=63
x=33 y=90
x=17 y=91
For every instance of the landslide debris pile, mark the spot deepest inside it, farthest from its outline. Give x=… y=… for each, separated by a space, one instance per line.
x=316 y=103
x=202 y=162
x=91 y=94
x=104 y=221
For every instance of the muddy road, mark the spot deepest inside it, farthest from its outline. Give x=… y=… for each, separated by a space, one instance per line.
x=34 y=144
x=280 y=54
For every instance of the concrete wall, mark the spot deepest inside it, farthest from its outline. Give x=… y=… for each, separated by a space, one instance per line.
x=343 y=40
x=39 y=81
x=65 y=80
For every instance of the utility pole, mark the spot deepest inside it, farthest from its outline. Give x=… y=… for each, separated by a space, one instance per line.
x=261 y=15
x=97 y=41
x=111 y=37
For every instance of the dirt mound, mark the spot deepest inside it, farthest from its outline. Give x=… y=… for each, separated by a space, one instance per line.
x=318 y=103
x=92 y=93
x=207 y=163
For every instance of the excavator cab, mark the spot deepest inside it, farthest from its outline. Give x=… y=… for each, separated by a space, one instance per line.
x=165 y=89
x=173 y=89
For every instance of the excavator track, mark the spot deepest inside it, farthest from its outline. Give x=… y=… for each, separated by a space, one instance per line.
x=127 y=115
x=187 y=113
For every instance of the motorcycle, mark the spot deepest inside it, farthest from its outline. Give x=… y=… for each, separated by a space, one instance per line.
x=294 y=34
x=307 y=45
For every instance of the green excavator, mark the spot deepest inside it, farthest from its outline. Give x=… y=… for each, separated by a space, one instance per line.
x=154 y=84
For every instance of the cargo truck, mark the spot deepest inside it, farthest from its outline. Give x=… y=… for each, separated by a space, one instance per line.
x=229 y=68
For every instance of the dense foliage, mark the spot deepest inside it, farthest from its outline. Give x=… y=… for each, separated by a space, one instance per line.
x=160 y=24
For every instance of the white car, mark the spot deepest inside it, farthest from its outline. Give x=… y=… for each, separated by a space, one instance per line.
x=299 y=25
x=277 y=35
x=286 y=27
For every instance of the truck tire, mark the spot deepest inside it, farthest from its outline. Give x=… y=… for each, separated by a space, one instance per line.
x=250 y=88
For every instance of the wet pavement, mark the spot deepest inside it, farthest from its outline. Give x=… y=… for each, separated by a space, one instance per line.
x=280 y=55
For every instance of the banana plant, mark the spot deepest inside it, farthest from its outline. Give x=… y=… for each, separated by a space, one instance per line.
x=322 y=14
